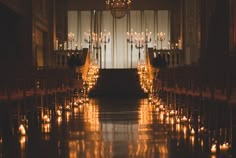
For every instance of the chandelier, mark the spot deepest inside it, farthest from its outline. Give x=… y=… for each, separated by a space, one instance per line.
x=118 y=8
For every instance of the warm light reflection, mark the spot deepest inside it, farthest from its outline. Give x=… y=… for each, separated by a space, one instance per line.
x=163 y=149
x=202 y=143
x=46 y=128
x=22 y=141
x=91 y=117
x=184 y=128
x=144 y=114
x=192 y=139
x=73 y=149
x=178 y=127
x=157 y=123
x=59 y=120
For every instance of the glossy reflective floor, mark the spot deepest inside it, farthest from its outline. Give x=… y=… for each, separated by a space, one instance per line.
x=116 y=128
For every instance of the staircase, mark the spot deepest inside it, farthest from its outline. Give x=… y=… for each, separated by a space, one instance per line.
x=117 y=83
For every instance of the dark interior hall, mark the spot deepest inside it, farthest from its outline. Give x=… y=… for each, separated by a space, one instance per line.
x=154 y=78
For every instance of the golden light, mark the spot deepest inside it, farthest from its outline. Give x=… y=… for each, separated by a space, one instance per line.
x=213 y=148
x=172 y=112
x=68 y=114
x=172 y=121
x=224 y=146
x=185 y=131
x=192 y=131
x=192 y=139
x=22 y=141
x=68 y=107
x=59 y=120
x=178 y=127
x=46 y=119
x=184 y=119
x=202 y=143
x=177 y=120
x=46 y=128
x=59 y=112
x=22 y=129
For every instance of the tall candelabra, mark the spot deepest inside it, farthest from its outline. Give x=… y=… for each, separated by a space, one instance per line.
x=147 y=37
x=139 y=44
x=71 y=37
x=96 y=45
x=105 y=39
x=88 y=38
x=161 y=37
x=130 y=39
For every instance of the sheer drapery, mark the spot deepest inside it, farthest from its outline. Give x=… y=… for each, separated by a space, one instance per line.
x=117 y=53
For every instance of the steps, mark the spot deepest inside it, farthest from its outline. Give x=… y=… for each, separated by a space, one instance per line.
x=117 y=83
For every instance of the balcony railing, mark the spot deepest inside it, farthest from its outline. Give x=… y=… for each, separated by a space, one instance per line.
x=60 y=58
x=166 y=57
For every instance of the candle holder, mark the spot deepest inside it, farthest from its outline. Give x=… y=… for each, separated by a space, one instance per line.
x=97 y=46
x=71 y=37
x=105 y=39
x=139 y=44
x=160 y=37
x=130 y=39
x=147 y=37
x=154 y=50
x=88 y=38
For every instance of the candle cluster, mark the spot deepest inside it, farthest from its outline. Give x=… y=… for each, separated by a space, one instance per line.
x=96 y=39
x=70 y=44
x=139 y=38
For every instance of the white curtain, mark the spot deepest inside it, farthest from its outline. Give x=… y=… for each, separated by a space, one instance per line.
x=107 y=25
x=118 y=51
x=163 y=25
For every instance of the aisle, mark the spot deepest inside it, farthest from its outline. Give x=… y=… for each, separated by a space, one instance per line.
x=109 y=128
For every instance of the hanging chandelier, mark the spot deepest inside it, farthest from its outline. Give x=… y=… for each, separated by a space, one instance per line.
x=118 y=8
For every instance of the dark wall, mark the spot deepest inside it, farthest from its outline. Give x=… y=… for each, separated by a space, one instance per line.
x=9 y=39
x=16 y=43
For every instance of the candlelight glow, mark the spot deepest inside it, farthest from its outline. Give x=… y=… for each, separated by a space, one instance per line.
x=224 y=146
x=192 y=131
x=213 y=148
x=22 y=129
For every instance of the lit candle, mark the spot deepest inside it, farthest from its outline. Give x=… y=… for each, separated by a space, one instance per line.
x=224 y=147
x=192 y=131
x=213 y=148
x=22 y=129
